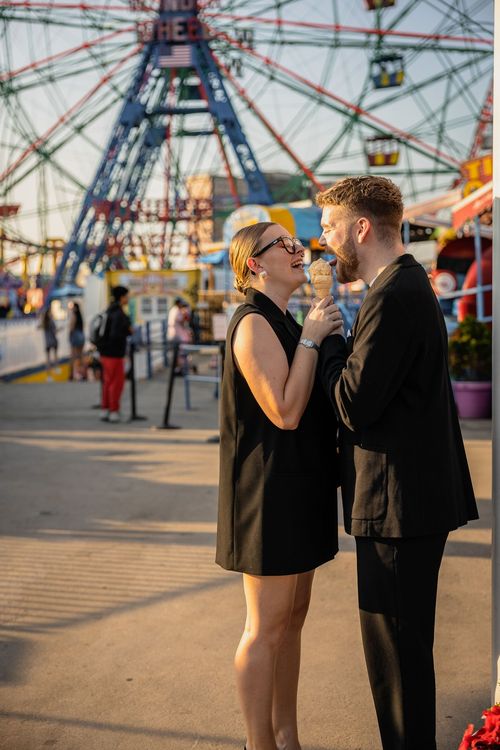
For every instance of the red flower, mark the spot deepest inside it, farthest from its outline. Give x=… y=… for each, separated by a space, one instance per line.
x=466 y=739
x=488 y=736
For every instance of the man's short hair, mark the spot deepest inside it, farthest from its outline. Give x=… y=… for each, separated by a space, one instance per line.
x=377 y=198
x=118 y=292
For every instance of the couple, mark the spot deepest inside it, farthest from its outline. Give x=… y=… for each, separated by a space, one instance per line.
x=400 y=462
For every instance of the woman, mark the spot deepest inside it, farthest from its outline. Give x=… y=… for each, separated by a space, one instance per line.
x=51 y=343
x=277 y=494
x=77 y=342
x=179 y=330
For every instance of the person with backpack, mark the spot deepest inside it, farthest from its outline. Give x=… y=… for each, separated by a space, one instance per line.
x=110 y=337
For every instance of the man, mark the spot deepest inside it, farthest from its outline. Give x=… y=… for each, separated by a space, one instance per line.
x=404 y=475
x=112 y=349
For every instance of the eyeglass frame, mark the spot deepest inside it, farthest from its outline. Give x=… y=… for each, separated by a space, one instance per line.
x=295 y=241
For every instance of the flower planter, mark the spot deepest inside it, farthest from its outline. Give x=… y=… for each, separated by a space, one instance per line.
x=473 y=399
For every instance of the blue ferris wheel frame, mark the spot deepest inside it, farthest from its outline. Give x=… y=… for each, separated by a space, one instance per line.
x=174 y=39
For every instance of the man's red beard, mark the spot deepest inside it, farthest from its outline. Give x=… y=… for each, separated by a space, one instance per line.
x=347 y=262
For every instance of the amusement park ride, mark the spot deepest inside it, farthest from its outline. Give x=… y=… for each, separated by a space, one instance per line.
x=405 y=103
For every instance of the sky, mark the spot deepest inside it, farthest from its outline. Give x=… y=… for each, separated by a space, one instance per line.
x=435 y=110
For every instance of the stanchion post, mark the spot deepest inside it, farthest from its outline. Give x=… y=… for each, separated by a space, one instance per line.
x=170 y=391
x=164 y=342
x=101 y=386
x=185 y=373
x=220 y=373
x=149 y=359
x=133 y=395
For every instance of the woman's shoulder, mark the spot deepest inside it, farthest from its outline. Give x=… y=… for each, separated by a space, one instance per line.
x=247 y=316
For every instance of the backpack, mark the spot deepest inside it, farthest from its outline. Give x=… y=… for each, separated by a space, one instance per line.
x=98 y=329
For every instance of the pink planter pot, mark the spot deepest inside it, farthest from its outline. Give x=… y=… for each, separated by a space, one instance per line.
x=473 y=399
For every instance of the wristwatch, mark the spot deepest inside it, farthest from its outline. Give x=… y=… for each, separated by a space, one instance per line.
x=309 y=344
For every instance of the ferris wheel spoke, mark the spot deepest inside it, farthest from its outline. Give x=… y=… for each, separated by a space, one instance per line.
x=278 y=138
x=67 y=115
x=366 y=31
x=58 y=75
x=266 y=9
x=35 y=20
x=442 y=122
x=410 y=90
x=454 y=10
x=461 y=90
x=370 y=119
x=47 y=154
x=38 y=64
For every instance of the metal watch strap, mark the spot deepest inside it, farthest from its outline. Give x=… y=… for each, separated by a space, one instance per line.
x=309 y=344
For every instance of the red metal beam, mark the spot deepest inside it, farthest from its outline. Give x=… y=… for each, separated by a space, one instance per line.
x=59 y=55
x=335 y=27
x=485 y=119
x=28 y=5
x=68 y=114
x=305 y=169
x=382 y=124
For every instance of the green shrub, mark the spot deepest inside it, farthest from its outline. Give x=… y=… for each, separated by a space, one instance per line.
x=469 y=350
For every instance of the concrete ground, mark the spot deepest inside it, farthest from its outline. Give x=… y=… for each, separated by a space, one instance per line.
x=117 y=630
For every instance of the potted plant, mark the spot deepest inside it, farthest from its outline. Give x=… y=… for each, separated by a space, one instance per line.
x=470 y=354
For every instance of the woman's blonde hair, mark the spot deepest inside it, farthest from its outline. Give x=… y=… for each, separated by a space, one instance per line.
x=243 y=245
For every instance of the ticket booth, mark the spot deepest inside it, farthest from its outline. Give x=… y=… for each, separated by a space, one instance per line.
x=152 y=293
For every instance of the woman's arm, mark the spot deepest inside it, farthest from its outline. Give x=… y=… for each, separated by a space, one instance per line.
x=281 y=391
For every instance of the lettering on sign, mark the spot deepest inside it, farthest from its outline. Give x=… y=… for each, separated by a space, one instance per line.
x=167 y=6
x=477 y=172
x=172 y=30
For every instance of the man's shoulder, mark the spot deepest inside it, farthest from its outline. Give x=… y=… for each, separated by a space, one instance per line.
x=406 y=283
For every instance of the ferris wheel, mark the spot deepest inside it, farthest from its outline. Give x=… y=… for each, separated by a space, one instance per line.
x=111 y=110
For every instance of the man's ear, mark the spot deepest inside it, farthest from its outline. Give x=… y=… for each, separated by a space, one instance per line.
x=363 y=226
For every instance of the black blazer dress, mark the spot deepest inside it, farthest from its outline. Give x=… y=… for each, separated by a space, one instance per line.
x=278 y=488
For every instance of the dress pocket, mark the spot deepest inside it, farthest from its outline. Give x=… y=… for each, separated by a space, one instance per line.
x=365 y=481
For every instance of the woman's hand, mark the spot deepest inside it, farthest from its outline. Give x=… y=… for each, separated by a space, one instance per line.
x=323 y=319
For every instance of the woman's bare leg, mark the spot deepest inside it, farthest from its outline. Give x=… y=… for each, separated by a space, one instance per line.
x=286 y=679
x=270 y=601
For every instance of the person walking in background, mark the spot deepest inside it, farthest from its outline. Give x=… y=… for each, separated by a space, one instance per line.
x=77 y=342
x=112 y=349
x=404 y=475
x=51 y=343
x=179 y=329
x=277 y=517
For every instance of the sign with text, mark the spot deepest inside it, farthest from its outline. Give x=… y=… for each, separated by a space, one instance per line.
x=477 y=172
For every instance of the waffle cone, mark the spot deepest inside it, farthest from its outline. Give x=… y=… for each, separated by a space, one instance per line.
x=322 y=288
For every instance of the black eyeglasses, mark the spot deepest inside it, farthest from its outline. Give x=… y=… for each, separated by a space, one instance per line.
x=292 y=245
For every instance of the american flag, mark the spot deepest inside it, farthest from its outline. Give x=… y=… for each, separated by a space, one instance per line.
x=174 y=56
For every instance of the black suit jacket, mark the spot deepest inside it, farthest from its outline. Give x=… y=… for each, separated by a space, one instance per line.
x=403 y=466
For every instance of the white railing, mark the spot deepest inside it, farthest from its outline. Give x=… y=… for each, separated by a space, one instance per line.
x=22 y=344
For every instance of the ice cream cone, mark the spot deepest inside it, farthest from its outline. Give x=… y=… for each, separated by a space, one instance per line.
x=322 y=287
x=320 y=274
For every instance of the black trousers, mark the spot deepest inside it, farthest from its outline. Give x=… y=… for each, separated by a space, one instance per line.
x=397 y=587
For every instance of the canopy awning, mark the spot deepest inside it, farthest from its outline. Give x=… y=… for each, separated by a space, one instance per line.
x=214 y=259
x=473 y=205
x=431 y=206
x=301 y=221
